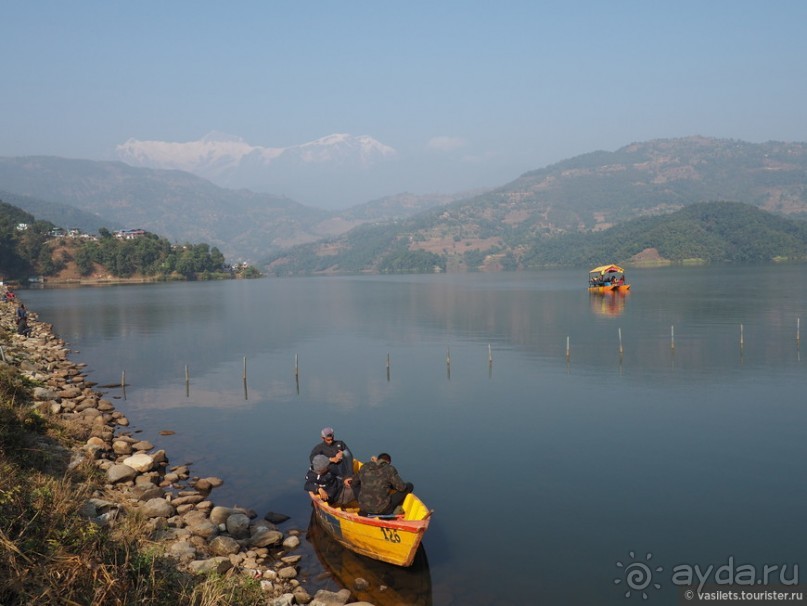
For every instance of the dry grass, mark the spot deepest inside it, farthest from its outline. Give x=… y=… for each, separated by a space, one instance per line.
x=49 y=554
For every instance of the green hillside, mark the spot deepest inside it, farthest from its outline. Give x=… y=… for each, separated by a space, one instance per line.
x=716 y=232
x=524 y=223
x=29 y=248
x=709 y=232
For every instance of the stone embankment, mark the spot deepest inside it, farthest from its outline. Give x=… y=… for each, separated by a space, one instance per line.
x=201 y=536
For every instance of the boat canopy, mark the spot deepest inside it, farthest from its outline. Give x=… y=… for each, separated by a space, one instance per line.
x=607 y=269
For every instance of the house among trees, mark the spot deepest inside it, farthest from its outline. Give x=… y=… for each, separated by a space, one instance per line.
x=129 y=234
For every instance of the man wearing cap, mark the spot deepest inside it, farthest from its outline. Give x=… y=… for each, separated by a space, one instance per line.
x=320 y=482
x=339 y=456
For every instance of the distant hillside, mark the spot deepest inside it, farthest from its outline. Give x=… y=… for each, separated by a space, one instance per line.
x=706 y=232
x=399 y=206
x=183 y=207
x=60 y=214
x=497 y=229
x=244 y=225
x=29 y=248
x=583 y=195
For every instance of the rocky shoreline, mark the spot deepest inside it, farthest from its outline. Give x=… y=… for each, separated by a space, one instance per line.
x=185 y=523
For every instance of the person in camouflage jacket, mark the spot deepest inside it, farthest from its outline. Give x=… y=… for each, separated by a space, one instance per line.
x=380 y=487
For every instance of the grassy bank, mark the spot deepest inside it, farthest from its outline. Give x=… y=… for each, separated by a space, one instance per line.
x=50 y=552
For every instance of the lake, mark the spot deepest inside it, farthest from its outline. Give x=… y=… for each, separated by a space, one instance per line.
x=565 y=441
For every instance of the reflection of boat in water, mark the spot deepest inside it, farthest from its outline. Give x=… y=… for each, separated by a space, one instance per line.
x=608 y=303
x=606 y=278
x=369 y=580
x=394 y=538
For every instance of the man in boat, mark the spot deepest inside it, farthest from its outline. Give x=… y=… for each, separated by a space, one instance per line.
x=382 y=491
x=321 y=482
x=337 y=452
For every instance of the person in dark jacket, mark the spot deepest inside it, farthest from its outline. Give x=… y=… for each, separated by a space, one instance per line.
x=381 y=489
x=322 y=483
x=22 y=321
x=339 y=456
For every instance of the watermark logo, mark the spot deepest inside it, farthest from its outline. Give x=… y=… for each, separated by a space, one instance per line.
x=637 y=576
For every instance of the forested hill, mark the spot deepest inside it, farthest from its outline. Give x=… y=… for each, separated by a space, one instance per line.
x=706 y=232
x=29 y=247
x=716 y=232
x=587 y=194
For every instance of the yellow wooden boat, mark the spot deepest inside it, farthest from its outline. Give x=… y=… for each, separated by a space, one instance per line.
x=393 y=539
x=383 y=583
x=607 y=278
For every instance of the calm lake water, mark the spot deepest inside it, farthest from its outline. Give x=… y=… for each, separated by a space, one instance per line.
x=546 y=472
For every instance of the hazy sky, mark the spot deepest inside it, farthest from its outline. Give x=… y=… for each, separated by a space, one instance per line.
x=470 y=93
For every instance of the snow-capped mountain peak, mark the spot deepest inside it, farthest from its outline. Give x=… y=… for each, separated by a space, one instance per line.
x=219 y=154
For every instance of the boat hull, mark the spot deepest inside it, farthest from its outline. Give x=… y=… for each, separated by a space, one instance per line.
x=395 y=540
x=384 y=583
x=610 y=288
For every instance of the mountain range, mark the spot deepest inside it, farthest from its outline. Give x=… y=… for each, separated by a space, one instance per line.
x=337 y=163
x=584 y=194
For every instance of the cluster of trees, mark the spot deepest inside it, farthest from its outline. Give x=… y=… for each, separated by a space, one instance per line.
x=22 y=252
x=29 y=251
x=412 y=261
x=147 y=255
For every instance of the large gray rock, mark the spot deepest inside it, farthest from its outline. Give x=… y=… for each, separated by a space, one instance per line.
x=219 y=565
x=219 y=515
x=238 y=525
x=224 y=546
x=141 y=462
x=158 y=508
x=198 y=523
x=266 y=537
x=120 y=473
x=183 y=551
x=43 y=393
x=329 y=598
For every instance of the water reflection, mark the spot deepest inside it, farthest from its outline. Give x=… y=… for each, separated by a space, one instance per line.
x=611 y=303
x=384 y=584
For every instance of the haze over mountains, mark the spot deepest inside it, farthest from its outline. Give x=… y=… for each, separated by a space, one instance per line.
x=587 y=193
x=327 y=173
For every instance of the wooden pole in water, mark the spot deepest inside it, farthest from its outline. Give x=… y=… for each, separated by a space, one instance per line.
x=490 y=355
x=742 y=339
x=388 y=366
x=620 y=342
x=798 y=332
x=123 y=383
x=672 y=337
x=568 y=349
x=297 y=373
x=245 y=369
x=187 y=382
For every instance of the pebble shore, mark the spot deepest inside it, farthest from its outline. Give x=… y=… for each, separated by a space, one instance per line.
x=201 y=536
